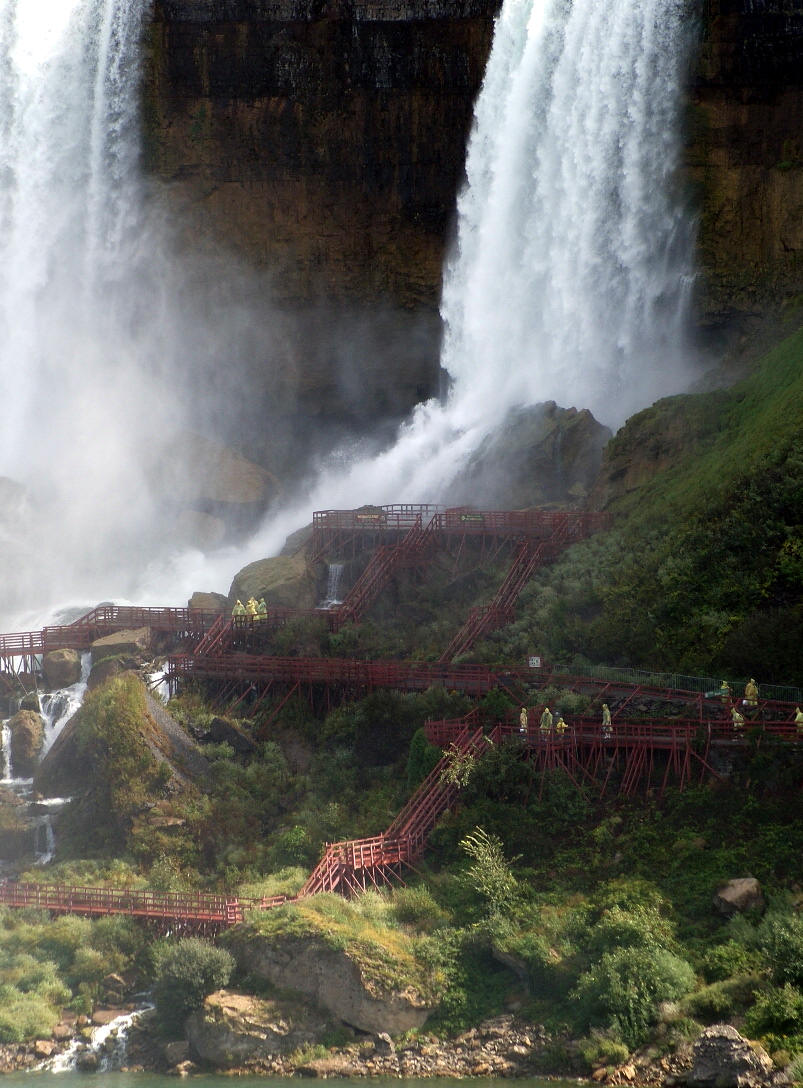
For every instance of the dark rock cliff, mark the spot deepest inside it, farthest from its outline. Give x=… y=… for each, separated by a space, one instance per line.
x=745 y=154
x=323 y=141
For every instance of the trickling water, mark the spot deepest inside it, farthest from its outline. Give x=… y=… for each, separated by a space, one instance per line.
x=44 y=840
x=5 y=741
x=57 y=707
x=333 y=580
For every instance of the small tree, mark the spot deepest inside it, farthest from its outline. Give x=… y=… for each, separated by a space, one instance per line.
x=186 y=973
x=490 y=875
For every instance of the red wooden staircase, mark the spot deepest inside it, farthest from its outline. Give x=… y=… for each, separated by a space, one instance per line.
x=354 y=866
x=529 y=554
x=417 y=544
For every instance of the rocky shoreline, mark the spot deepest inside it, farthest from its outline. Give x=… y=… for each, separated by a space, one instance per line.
x=504 y=1046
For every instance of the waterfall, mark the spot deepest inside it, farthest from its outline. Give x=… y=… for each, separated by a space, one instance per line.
x=57 y=707
x=572 y=265
x=92 y=322
x=333 y=579
x=5 y=741
x=572 y=270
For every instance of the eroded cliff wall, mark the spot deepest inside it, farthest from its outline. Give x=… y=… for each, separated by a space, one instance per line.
x=745 y=155
x=323 y=141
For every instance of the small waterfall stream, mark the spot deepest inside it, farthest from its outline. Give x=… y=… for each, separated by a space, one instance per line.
x=334 y=578
x=104 y=1052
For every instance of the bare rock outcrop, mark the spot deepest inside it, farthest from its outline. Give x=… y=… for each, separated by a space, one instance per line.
x=231 y=1029
x=335 y=982
x=724 y=1059
x=738 y=895
x=27 y=738
x=61 y=668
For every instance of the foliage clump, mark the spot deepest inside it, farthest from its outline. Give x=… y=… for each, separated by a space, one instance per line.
x=186 y=973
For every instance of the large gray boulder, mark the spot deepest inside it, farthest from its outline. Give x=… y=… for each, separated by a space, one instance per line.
x=61 y=668
x=539 y=455
x=722 y=1058
x=334 y=981
x=285 y=580
x=738 y=895
x=233 y=1028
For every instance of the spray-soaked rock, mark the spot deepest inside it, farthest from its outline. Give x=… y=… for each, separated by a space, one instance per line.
x=61 y=668
x=27 y=737
x=543 y=454
x=121 y=642
x=285 y=580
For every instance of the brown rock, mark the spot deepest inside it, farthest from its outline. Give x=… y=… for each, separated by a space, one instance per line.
x=739 y=895
x=61 y=668
x=27 y=737
x=133 y=643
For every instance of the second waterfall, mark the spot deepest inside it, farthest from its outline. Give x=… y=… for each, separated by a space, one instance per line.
x=573 y=264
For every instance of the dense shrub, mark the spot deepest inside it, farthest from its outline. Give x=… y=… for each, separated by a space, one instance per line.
x=24 y=1016
x=778 y=1010
x=186 y=973
x=623 y=989
x=780 y=938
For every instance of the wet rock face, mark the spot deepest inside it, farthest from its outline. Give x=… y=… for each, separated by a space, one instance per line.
x=745 y=153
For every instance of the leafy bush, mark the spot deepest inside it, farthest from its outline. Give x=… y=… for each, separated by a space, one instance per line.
x=415 y=907
x=733 y=958
x=780 y=938
x=24 y=1016
x=186 y=973
x=722 y=999
x=778 y=1010
x=600 y=1047
x=636 y=927
x=623 y=989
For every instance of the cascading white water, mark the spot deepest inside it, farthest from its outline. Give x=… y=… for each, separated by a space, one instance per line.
x=573 y=263
x=333 y=580
x=568 y=280
x=57 y=707
x=572 y=266
x=5 y=750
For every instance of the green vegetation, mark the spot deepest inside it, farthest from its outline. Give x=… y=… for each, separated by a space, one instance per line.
x=186 y=972
x=592 y=917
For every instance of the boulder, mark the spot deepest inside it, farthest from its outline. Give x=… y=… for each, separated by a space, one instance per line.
x=208 y=602
x=538 y=455
x=737 y=896
x=722 y=1058
x=109 y=667
x=232 y=1028
x=334 y=981
x=134 y=643
x=223 y=731
x=285 y=580
x=27 y=738
x=61 y=668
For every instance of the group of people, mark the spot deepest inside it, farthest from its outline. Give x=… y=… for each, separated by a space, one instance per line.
x=256 y=609
x=550 y=724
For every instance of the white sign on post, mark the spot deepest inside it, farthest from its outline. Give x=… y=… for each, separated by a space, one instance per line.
x=534 y=662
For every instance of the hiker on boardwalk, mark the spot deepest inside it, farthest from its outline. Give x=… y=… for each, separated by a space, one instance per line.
x=751 y=693
x=524 y=720
x=546 y=720
x=607 y=729
x=738 y=720
x=251 y=607
x=239 y=608
x=799 y=721
x=560 y=726
x=725 y=691
x=262 y=609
